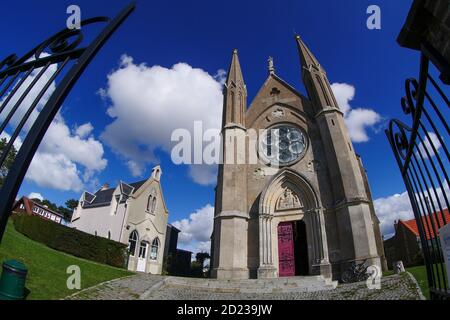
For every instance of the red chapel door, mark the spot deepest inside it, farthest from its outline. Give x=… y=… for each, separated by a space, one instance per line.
x=286 y=257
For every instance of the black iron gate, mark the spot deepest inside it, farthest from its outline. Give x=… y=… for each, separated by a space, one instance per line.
x=32 y=90
x=421 y=151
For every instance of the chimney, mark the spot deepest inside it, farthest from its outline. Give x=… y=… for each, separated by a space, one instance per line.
x=104 y=186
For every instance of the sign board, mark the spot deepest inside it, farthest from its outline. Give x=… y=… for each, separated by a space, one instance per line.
x=444 y=236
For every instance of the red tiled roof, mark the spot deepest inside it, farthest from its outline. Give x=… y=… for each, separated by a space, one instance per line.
x=427 y=223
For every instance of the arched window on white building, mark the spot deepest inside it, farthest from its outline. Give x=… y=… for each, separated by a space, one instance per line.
x=132 y=241
x=154 y=249
x=153 y=205
x=149 y=203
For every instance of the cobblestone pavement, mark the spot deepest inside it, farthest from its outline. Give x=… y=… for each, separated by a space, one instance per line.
x=396 y=287
x=128 y=288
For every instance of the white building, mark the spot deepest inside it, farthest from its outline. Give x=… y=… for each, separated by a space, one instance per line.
x=134 y=213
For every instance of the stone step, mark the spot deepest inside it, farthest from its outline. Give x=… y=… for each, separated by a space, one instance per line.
x=293 y=284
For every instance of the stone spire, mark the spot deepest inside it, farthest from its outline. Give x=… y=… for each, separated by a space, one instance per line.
x=315 y=79
x=306 y=57
x=235 y=95
x=235 y=72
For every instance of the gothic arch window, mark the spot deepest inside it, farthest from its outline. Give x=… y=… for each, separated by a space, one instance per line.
x=154 y=249
x=149 y=202
x=153 y=207
x=240 y=108
x=109 y=234
x=132 y=241
x=233 y=107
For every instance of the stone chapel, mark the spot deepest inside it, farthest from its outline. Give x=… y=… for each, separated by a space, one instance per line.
x=309 y=214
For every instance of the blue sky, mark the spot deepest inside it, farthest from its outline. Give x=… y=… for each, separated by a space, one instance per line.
x=202 y=34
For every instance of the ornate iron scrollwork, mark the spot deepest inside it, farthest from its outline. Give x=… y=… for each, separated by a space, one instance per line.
x=59 y=50
x=422 y=155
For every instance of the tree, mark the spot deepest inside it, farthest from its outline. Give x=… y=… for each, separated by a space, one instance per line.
x=66 y=212
x=7 y=164
x=49 y=204
x=72 y=204
x=201 y=257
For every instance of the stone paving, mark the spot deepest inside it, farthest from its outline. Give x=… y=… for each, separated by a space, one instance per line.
x=128 y=288
x=151 y=287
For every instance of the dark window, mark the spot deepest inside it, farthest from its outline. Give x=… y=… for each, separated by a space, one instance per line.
x=153 y=205
x=154 y=250
x=132 y=241
x=149 y=202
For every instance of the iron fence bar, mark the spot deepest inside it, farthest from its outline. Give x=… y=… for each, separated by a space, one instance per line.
x=436 y=131
x=417 y=111
x=397 y=155
x=418 y=217
x=443 y=96
x=434 y=239
x=29 y=111
x=431 y=179
x=420 y=194
x=14 y=90
x=5 y=88
x=34 y=64
x=22 y=97
x=23 y=159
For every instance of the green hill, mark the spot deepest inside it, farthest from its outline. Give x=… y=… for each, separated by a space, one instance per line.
x=47 y=267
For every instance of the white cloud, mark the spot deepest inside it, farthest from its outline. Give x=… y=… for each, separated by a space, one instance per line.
x=390 y=209
x=427 y=146
x=203 y=174
x=64 y=157
x=54 y=171
x=149 y=103
x=87 y=152
x=35 y=195
x=221 y=76
x=398 y=207
x=357 y=120
x=84 y=130
x=196 y=231
x=343 y=93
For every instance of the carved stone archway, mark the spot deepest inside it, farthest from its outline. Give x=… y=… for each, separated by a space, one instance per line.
x=288 y=192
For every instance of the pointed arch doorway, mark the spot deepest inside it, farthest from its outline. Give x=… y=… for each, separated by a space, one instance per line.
x=292 y=238
x=292 y=249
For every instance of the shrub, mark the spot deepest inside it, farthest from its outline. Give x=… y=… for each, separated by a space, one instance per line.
x=72 y=241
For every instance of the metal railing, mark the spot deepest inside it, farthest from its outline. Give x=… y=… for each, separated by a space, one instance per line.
x=423 y=157
x=32 y=90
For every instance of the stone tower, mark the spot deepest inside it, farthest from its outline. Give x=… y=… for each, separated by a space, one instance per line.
x=309 y=214
x=231 y=215
x=351 y=199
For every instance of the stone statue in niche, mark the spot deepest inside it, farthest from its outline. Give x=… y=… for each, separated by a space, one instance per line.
x=288 y=200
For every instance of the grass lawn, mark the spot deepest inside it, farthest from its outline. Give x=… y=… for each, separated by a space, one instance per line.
x=420 y=274
x=47 y=267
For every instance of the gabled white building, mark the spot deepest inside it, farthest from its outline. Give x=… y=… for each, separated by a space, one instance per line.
x=134 y=213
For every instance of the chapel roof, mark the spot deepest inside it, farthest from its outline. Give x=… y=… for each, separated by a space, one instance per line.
x=104 y=197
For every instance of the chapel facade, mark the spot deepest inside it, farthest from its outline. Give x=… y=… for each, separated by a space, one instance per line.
x=304 y=208
x=131 y=213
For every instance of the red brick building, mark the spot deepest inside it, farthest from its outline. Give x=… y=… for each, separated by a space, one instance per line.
x=28 y=206
x=405 y=244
